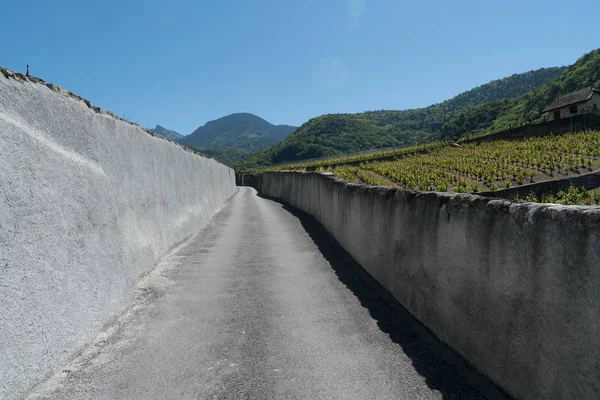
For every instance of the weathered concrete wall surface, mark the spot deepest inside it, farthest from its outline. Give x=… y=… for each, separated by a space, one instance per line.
x=512 y=287
x=247 y=180
x=88 y=204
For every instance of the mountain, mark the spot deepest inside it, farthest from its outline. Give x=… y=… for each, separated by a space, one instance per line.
x=167 y=133
x=242 y=130
x=527 y=108
x=236 y=137
x=336 y=134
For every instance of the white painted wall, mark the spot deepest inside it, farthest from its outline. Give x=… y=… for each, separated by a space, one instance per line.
x=565 y=112
x=594 y=100
x=88 y=204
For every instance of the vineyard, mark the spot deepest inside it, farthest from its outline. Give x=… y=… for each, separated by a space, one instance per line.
x=490 y=166
x=351 y=158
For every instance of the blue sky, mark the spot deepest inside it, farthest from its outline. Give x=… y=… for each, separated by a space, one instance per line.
x=181 y=63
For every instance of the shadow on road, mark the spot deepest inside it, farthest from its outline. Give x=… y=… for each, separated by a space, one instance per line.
x=443 y=369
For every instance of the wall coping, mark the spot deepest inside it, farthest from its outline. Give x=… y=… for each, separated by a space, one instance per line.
x=525 y=213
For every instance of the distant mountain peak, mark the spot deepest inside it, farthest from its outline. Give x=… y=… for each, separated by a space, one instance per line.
x=243 y=130
x=167 y=133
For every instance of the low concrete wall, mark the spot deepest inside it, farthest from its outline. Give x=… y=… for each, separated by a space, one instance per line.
x=511 y=287
x=588 y=181
x=88 y=204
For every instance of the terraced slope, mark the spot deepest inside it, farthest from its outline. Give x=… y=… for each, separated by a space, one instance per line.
x=489 y=166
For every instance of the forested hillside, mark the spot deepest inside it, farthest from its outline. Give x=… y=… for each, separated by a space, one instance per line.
x=335 y=134
x=527 y=108
x=226 y=154
x=236 y=137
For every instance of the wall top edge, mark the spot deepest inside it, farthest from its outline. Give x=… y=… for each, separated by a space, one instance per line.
x=19 y=77
x=527 y=213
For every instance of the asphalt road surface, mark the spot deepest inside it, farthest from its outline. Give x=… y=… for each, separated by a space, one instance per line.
x=261 y=305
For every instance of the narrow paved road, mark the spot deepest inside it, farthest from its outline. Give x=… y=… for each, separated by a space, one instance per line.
x=260 y=305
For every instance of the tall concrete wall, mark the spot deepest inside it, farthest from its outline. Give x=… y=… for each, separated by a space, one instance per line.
x=88 y=204
x=512 y=287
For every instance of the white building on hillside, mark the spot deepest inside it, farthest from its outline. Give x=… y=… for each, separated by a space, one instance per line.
x=582 y=101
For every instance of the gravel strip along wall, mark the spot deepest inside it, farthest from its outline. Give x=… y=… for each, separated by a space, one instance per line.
x=511 y=287
x=88 y=204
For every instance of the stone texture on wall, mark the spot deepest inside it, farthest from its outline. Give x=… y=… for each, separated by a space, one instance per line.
x=511 y=287
x=88 y=204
